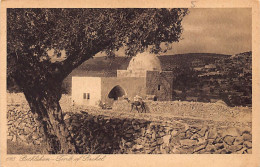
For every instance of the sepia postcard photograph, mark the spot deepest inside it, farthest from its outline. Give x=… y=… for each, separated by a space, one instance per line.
x=84 y=85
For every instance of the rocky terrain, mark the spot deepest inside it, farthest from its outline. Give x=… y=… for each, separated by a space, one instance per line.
x=162 y=130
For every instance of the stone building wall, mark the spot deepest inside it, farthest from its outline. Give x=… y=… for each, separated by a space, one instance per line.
x=159 y=84
x=132 y=86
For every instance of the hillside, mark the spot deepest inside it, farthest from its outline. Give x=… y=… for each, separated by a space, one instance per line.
x=228 y=79
x=169 y=62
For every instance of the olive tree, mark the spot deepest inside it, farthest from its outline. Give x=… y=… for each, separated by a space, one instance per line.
x=73 y=36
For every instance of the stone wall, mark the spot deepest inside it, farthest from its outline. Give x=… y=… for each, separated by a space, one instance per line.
x=22 y=126
x=103 y=134
x=160 y=84
x=98 y=134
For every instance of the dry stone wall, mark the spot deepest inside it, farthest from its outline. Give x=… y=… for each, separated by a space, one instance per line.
x=99 y=134
x=108 y=135
x=22 y=126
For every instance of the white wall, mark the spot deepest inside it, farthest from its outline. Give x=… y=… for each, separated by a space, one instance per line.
x=81 y=85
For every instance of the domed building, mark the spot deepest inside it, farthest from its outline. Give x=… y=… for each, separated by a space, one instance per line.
x=145 y=61
x=143 y=77
x=140 y=64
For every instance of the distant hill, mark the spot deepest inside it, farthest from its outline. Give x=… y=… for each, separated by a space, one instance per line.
x=167 y=62
x=249 y=54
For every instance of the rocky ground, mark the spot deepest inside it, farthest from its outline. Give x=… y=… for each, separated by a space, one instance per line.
x=189 y=128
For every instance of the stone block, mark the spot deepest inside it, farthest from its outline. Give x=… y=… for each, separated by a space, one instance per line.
x=188 y=134
x=37 y=142
x=153 y=144
x=130 y=131
x=203 y=131
x=210 y=148
x=128 y=135
x=225 y=151
x=166 y=139
x=154 y=135
x=159 y=141
x=201 y=140
x=239 y=140
x=201 y=147
x=235 y=148
x=148 y=131
x=128 y=144
x=229 y=140
x=219 y=146
x=217 y=140
x=142 y=131
x=187 y=150
x=188 y=142
x=229 y=131
x=195 y=136
x=22 y=138
x=213 y=133
x=161 y=134
x=175 y=141
x=248 y=144
x=175 y=151
x=210 y=140
x=247 y=137
x=193 y=129
x=138 y=147
x=242 y=151
x=174 y=133
x=182 y=135
x=136 y=127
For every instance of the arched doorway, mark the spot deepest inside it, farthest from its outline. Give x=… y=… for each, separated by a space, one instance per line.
x=116 y=92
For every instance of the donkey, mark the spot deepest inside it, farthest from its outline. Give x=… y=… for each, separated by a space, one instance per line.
x=137 y=105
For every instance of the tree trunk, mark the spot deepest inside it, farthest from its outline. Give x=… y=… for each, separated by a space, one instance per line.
x=45 y=106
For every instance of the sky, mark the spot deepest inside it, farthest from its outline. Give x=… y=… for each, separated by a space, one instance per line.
x=226 y=31
x=214 y=30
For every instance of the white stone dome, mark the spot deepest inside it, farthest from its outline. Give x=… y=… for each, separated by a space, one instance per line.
x=145 y=62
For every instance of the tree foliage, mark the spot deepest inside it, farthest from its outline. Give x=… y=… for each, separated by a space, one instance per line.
x=82 y=33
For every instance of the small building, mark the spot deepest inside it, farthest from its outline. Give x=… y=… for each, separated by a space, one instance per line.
x=143 y=77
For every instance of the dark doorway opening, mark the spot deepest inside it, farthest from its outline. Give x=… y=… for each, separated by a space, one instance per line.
x=116 y=92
